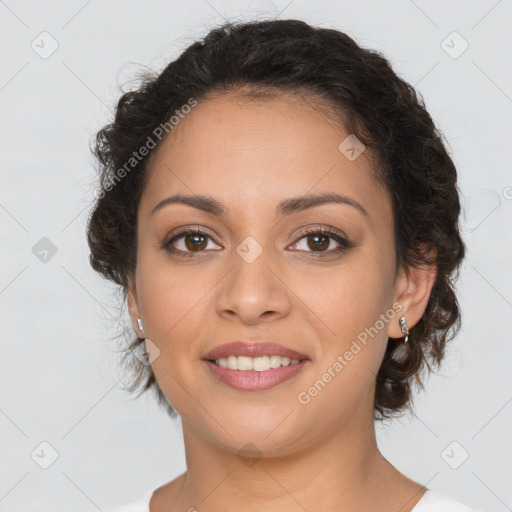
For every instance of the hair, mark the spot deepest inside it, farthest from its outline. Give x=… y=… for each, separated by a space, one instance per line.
x=265 y=58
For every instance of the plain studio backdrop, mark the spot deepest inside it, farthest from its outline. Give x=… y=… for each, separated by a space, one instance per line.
x=70 y=438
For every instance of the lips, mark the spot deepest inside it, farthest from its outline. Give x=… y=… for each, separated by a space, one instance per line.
x=253 y=349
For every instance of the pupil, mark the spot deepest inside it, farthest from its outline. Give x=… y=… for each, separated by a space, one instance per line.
x=194 y=245
x=320 y=245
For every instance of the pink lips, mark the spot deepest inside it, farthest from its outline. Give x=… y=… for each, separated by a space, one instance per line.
x=251 y=380
x=253 y=349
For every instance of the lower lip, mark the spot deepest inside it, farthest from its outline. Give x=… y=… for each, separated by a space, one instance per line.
x=252 y=380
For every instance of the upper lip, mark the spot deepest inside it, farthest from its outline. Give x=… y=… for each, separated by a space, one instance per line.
x=253 y=349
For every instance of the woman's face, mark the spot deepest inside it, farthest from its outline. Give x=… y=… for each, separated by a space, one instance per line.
x=262 y=272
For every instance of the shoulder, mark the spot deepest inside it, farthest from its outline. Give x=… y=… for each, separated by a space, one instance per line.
x=433 y=501
x=141 y=504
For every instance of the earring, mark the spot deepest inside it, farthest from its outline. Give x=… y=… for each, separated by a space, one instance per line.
x=404 y=327
x=139 y=323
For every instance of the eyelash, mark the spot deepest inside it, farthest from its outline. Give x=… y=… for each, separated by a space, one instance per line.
x=325 y=232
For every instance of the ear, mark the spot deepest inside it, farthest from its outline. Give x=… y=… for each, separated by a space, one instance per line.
x=133 y=305
x=412 y=290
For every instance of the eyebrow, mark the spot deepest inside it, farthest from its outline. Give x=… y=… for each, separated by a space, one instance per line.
x=286 y=207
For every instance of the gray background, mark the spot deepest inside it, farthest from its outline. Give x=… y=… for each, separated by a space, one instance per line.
x=58 y=377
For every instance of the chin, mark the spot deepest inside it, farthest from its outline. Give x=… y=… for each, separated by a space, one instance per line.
x=270 y=430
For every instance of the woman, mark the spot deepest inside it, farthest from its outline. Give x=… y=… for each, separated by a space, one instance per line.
x=282 y=216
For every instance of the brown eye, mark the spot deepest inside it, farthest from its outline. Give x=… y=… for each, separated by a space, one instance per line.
x=319 y=240
x=195 y=242
x=188 y=242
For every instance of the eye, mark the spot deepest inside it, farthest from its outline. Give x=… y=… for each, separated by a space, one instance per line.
x=195 y=240
x=190 y=241
x=319 y=240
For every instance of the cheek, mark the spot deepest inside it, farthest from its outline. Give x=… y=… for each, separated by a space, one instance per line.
x=173 y=302
x=353 y=303
x=177 y=306
x=169 y=298
x=173 y=309
x=348 y=296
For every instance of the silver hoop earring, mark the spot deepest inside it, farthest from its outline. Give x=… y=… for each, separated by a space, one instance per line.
x=139 y=323
x=404 y=327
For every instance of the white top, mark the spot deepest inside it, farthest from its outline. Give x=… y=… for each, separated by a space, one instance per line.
x=431 y=501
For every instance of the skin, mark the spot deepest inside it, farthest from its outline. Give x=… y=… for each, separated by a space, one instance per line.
x=250 y=155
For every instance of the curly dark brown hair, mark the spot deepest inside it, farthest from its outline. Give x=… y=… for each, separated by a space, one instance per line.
x=372 y=102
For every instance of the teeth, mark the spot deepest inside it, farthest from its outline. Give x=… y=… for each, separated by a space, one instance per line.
x=275 y=361
x=232 y=362
x=258 y=364
x=244 y=363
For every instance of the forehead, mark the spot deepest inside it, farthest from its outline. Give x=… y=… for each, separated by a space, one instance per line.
x=253 y=152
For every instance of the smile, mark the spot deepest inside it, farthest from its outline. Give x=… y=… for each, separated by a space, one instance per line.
x=255 y=380
x=258 y=364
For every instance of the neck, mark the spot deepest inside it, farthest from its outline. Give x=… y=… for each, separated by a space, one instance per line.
x=345 y=471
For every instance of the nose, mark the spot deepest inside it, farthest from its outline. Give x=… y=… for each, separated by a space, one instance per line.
x=253 y=292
